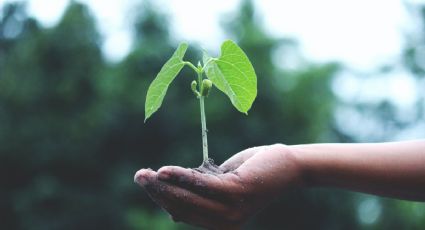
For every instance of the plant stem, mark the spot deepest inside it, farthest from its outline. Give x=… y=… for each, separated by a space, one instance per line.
x=203 y=121
x=191 y=66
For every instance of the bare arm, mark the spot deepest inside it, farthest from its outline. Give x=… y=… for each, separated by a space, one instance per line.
x=255 y=176
x=395 y=169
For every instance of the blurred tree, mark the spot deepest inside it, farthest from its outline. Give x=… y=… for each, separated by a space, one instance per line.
x=389 y=118
x=414 y=52
x=48 y=138
x=414 y=60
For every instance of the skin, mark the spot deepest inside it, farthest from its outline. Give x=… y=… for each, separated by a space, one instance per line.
x=253 y=177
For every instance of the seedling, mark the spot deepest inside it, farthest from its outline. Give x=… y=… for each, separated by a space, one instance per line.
x=232 y=73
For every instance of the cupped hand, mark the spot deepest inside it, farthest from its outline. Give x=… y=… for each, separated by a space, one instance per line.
x=251 y=179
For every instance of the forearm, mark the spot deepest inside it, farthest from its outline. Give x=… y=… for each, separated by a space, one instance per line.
x=395 y=169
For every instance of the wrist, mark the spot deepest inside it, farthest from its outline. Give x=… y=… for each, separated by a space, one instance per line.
x=299 y=154
x=293 y=165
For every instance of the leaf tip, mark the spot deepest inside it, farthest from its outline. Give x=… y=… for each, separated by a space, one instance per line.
x=147 y=116
x=184 y=45
x=228 y=40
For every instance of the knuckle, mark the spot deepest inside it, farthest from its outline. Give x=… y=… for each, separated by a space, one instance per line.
x=280 y=146
x=232 y=179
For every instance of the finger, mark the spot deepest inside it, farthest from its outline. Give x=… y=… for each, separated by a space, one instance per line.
x=212 y=186
x=184 y=205
x=193 y=209
x=141 y=177
x=239 y=158
x=175 y=219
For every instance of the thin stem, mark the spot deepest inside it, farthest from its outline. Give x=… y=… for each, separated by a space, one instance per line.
x=203 y=121
x=191 y=66
x=208 y=62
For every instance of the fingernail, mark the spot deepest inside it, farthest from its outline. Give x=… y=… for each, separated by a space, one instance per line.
x=140 y=177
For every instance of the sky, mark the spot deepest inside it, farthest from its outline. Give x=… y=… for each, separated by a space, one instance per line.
x=362 y=34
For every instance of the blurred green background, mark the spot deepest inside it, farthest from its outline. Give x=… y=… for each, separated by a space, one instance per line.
x=72 y=133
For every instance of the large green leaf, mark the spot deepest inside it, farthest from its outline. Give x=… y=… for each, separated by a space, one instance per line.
x=233 y=74
x=159 y=85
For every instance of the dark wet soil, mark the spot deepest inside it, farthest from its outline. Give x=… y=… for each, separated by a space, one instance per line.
x=209 y=167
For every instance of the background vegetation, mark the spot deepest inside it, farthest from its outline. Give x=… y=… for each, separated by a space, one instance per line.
x=72 y=133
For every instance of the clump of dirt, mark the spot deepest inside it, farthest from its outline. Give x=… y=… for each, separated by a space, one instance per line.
x=209 y=167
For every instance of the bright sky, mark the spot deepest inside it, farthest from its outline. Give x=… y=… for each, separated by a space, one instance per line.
x=361 y=33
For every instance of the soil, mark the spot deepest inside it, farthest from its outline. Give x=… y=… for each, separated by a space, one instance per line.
x=209 y=167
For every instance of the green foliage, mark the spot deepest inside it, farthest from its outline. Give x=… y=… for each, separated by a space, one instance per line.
x=233 y=74
x=166 y=75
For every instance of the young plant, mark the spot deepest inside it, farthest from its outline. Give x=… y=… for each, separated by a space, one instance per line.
x=232 y=73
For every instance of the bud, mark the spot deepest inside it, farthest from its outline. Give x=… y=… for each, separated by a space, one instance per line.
x=199 y=67
x=193 y=87
x=206 y=87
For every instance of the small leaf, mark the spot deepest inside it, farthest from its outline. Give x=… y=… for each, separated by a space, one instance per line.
x=166 y=75
x=233 y=74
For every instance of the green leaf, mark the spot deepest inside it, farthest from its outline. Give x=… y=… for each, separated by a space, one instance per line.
x=166 y=75
x=233 y=74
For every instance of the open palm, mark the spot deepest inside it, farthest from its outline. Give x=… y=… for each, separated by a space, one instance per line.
x=251 y=179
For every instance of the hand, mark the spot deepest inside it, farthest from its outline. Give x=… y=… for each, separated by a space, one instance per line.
x=251 y=179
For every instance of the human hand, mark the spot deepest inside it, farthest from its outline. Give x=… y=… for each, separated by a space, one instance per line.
x=251 y=179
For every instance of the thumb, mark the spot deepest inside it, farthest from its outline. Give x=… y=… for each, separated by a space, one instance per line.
x=239 y=158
